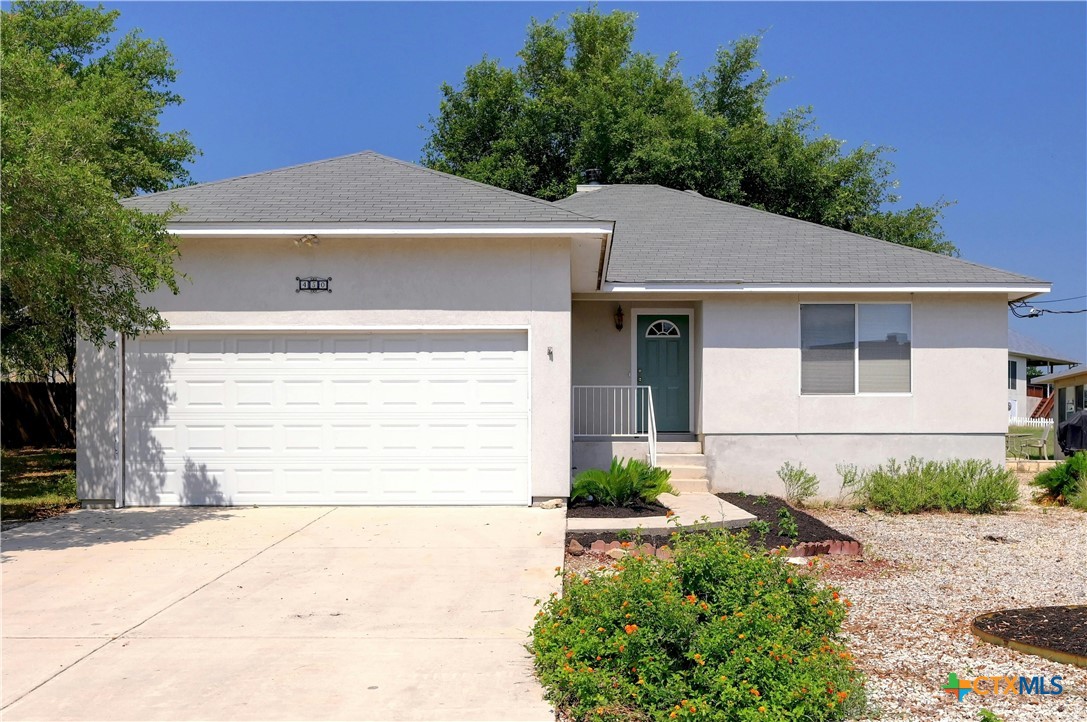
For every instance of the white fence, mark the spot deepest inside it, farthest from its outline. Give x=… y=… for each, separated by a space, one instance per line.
x=1033 y=423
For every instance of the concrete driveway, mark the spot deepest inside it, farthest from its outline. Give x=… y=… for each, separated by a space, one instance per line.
x=302 y=613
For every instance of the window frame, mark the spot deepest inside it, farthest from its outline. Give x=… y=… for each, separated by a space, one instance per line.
x=856 y=348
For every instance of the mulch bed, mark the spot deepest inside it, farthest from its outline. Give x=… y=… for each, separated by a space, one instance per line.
x=586 y=510
x=766 y=509
x=1063 y=629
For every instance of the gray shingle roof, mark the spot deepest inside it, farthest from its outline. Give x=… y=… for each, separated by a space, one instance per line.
x=362 y=187
x=668 y=235
x=1022 y=345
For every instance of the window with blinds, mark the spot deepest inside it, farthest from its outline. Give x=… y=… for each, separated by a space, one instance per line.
x=850 y=348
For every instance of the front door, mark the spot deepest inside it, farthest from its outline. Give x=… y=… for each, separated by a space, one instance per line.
x=664 y=353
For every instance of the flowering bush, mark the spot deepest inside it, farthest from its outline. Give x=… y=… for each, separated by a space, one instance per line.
x=721 y=632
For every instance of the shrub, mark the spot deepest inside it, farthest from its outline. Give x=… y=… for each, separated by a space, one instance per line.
x=1065 y=481
x=976 y=486
x=787 y=526
x=800 y=484
x=722 y=632
x=623 y=484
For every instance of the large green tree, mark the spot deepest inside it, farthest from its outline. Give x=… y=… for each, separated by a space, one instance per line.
x=582 y=98
x=79 y=131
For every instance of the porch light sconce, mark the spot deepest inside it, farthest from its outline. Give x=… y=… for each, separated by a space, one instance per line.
x=619 y=318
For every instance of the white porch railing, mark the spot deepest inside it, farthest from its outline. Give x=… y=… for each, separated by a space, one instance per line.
x=615 y=412
x=1035 y=423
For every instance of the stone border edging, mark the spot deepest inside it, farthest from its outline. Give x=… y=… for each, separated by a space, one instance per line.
x=805 y=549
x=1054 y=655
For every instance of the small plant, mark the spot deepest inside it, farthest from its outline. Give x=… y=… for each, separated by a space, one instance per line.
x=800 y=484
x=976 y=486
x=624 y=484
x=787 y=525
x=987 y=715
x=1065 y=482
x=720 y=633
x=762 y=499
x=760 y=527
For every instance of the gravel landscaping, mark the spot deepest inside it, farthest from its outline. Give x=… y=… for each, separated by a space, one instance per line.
x=926 y=576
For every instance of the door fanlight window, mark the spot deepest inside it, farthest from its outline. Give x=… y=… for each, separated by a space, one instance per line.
x=662 y=328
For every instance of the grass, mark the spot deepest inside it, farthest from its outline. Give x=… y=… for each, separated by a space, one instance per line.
x=36 y=483
x=1036 y=433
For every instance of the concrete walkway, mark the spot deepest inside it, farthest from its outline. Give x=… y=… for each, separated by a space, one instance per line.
x=297 y=613
x=690 y=508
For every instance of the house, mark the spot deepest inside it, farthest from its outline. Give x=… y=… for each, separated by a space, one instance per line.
x=1070 y=391
x=362 y=330
x=1025 y=395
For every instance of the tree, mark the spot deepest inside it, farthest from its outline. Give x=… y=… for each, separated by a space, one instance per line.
x=80 y=132
x=582 y=98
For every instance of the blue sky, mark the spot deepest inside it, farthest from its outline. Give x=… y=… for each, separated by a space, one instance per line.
x=986 y=103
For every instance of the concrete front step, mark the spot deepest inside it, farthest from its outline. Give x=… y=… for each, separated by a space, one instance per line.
x=686 y=486
x=669 y=460
x=686 y=472
x=678 y=447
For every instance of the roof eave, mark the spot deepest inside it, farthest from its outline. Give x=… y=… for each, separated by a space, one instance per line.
x=421 y=228
x=1015 y=291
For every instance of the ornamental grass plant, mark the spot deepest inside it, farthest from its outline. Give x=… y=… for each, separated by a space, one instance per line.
x=720 y=632
x=976 y=486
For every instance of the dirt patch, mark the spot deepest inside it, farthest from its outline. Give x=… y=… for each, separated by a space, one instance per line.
x=767 y=508
x=1063 y=629
x=585 y=510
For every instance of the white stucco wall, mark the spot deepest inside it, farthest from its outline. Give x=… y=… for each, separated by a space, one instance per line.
x=377 y=282
x=754 y=417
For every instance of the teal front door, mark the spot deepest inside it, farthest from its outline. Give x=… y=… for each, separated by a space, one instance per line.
x=664 y=365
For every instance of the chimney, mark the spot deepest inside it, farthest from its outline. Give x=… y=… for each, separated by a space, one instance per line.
x=590 y=180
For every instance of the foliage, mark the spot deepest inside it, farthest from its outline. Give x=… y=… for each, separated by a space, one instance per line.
x=987 y=715
x=81 y=131
x=37 y=482
x=787 y=525
x=624 y=484
x=800 y=484
x=1065 y=481
x=581 y=97
x=723 y=632
x=760 y=527
x=976 y=486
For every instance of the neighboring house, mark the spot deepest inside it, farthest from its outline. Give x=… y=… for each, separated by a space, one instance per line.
x=1025 y=395
x=366 y=331
x=1070 y=391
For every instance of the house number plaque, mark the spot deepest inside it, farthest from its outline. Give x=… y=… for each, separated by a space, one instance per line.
x=314 y=284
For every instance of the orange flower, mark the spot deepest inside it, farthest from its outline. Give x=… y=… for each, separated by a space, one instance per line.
x=742 y=636
x=835 y=595
x=669 y=514
x=631 y=628
x=724 y=617
x=586 y=582
x=622 y=648
x=789 y=580
x=600 y=629
x=755 y=692
x=691 y=598
x=762 y=708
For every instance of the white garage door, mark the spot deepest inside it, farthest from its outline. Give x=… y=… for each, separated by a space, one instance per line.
x=329 y=418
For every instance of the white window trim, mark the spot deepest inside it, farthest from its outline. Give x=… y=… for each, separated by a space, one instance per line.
x=856 y=348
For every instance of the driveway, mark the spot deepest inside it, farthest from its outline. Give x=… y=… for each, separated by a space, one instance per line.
x=302 y=613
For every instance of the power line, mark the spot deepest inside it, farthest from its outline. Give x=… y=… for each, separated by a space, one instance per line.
x=1057 y=300
x=1032 y=312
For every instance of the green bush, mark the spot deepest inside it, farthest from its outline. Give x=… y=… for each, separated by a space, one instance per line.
x=721 y=632
x=1065 y=481
x=976 y=486
x=800 y=484
x=624 y=484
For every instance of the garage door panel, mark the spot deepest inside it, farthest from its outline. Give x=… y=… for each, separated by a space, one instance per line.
x=394 y=418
